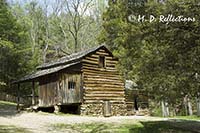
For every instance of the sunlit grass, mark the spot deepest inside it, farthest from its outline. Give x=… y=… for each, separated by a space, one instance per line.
x=192 y=117
x=7 y=103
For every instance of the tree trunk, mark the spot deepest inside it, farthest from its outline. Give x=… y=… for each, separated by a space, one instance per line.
x=165 y=108
x=190 y=107
x=198 y=104
x=185 y=105
x=33 y=93
x=18 y=96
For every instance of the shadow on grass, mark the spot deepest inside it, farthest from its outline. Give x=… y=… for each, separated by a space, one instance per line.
x=7 y=109
x=170 y=126
x=12 y=129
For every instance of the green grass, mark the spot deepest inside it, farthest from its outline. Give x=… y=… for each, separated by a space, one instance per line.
x=128 y=127
x=193 y=117
x=7 y=103
x=12 y=129
x=4 y=105
x=91 y=127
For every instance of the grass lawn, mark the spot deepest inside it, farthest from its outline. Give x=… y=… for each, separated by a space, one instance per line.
x=7 y=105
x=127 y=127
x=193 y=117
x=12 y=129
x=7 y=108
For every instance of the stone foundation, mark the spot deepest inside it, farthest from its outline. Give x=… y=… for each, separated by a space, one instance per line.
x=118 y=109
x=96 y=109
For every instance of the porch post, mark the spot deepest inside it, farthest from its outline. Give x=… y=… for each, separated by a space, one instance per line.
x=33 y=93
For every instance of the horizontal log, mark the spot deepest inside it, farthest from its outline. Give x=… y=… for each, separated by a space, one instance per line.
x=97 y=56
x=101 y=83
x=108 y=65
x=104 y=95
x=96 y=63
x=96 y=77
x=108 y=57
x=93 y=74
x=101 y=50
x=112 y=61
x=96 y=67
x=103 y=98
x=104 y=88
x=102 y=101
x=101 y=53
x=100 y=92
x=106 y=73
x=92 y=58
x=107 y=69
x=90 y=61
x=111 y=65
x=103 y=79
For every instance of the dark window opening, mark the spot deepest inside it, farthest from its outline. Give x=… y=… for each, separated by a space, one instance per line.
x=71 y=85
x=102 y=61
x=135 y=103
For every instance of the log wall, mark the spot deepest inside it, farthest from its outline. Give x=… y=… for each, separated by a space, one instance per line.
x=102 y=84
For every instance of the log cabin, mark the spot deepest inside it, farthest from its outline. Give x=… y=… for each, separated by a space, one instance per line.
x=87 y=80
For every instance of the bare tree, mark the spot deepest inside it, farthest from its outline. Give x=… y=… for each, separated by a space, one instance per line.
x=77 y=10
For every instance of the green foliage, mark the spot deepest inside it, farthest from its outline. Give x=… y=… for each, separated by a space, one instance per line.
x=31 y=34
x=162 y=58
x=12 y=44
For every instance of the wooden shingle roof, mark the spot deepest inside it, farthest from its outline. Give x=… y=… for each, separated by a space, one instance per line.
x=60 y=64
